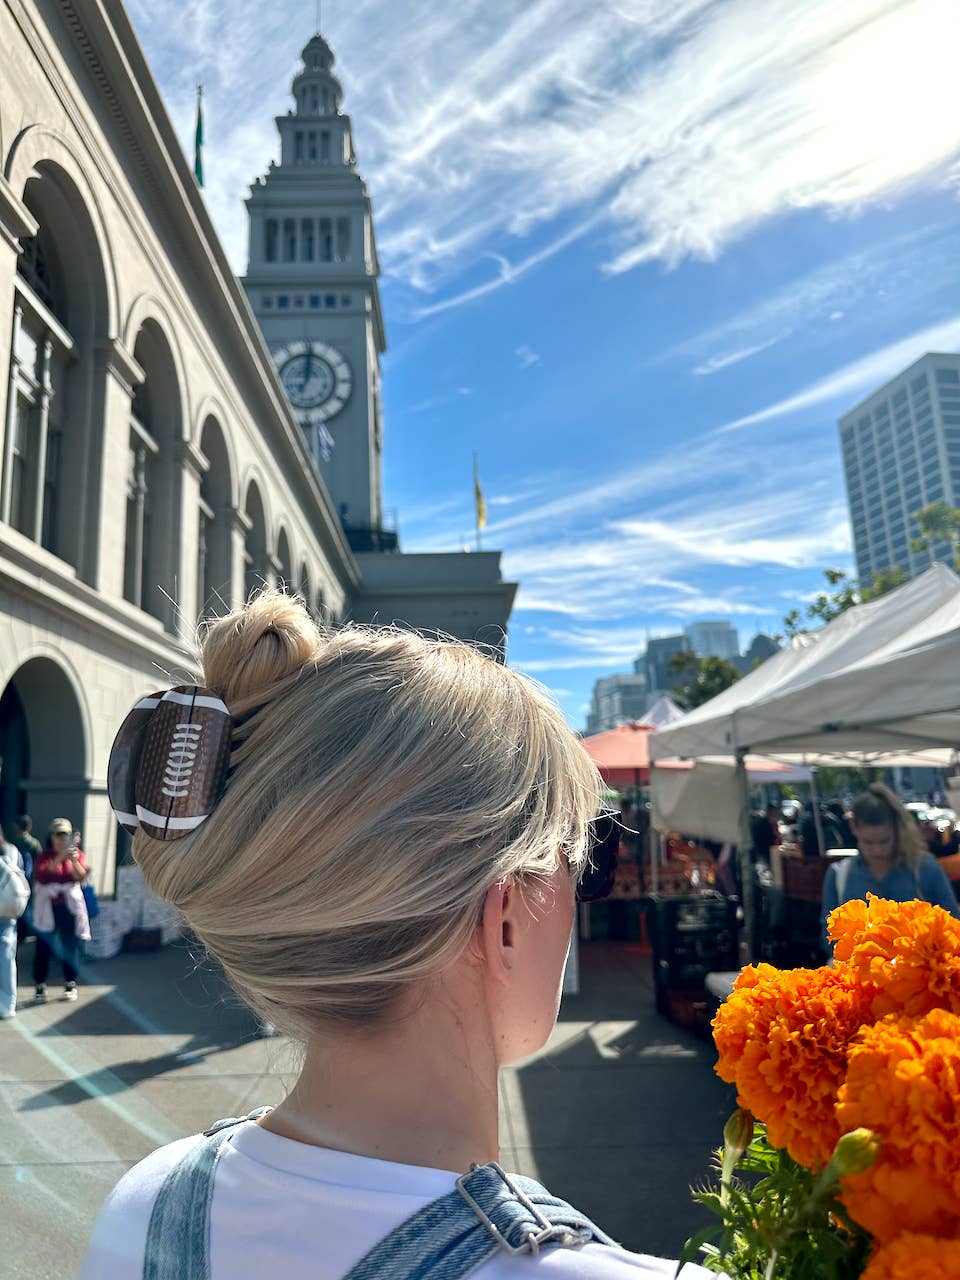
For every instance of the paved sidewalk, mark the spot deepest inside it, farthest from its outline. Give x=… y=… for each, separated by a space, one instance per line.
x=618 y=1112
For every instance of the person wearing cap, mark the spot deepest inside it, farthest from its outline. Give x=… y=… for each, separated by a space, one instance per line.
x=59 y=909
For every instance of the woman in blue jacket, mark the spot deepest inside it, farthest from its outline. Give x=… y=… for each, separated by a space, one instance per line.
x=892 y=860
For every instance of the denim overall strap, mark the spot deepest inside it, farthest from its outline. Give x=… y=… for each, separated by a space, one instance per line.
x=489 y=1212
x=178 y=1237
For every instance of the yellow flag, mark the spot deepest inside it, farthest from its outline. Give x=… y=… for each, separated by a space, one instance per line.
x=478 y=496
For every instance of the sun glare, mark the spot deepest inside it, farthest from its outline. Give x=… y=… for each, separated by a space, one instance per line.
x=886 y=99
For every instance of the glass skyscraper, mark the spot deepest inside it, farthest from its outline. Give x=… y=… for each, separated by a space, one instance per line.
x=901 y=451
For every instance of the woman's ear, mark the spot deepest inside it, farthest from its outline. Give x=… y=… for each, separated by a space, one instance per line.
x=498 y=929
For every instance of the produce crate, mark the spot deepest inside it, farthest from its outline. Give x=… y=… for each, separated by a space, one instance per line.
x=690 y=938
x=803 y=878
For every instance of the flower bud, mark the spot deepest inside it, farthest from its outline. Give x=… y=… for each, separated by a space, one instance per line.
x=738 y=1132
x=855 y=1152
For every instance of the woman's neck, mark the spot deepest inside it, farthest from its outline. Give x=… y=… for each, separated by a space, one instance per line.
x=424 y=1092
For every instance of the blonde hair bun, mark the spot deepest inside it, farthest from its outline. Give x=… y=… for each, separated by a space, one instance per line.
x=380 y=782
x=251 y=654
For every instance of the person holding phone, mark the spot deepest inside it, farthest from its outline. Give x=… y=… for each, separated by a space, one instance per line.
x=59 y=909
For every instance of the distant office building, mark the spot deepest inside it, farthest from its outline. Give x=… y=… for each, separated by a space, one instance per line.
x=617 y=700
x=760 y=649
x=901 y=451
x=661 y=677
x=713 y=639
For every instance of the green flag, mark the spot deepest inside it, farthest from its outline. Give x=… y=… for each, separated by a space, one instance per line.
x=198 y=139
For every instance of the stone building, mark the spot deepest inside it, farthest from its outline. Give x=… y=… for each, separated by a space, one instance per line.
x=152 y=467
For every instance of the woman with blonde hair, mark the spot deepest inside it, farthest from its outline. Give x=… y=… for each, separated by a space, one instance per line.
x=892 y=860
x=413 y=941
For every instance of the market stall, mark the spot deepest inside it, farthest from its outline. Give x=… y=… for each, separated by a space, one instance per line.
x=880 y=684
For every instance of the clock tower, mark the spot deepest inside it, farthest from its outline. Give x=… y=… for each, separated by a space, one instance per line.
x=312 y=283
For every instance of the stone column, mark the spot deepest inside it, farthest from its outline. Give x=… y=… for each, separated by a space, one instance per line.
x=43 y=422
x=11 y=417
x=240 y=526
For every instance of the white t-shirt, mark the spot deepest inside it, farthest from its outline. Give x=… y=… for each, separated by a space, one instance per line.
x=288 y=1209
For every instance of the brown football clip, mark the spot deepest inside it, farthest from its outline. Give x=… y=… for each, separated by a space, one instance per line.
x=168 y=764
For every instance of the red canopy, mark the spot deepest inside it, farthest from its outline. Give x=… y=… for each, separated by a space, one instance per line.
x=622 y=755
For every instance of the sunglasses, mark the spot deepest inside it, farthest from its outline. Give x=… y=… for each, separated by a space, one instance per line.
x=601 y=868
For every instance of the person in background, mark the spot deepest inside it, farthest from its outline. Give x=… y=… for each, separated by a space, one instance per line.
x=8 y=941
x=766 y=833
x=30 y=847
x=891 y=861
x=835 y=828
x=60 y=913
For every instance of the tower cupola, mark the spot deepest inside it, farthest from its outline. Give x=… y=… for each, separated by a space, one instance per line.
x=316 y=90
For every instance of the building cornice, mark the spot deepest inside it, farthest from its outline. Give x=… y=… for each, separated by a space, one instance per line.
x=46 y=578
x=121 y=364
x=16 y=220
x=190 y=456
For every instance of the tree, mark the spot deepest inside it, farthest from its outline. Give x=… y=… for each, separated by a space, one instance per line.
x=843 y=593
x=704 y=678
x=939 y=523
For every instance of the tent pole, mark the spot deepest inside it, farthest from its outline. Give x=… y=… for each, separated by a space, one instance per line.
x=654 y=856
x=744 y=849
x=817 y=817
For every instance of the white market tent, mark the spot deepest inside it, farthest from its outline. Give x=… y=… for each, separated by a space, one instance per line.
x=663 y=712
x=881 y=680
x=880 y=684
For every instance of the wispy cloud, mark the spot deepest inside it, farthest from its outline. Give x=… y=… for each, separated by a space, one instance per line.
x=859 y=376
x=911 y=266
x=675 y=127
x=438 y=401
x=526 y=357
x=715 y=363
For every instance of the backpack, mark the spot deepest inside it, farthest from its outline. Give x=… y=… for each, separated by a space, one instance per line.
x=14 y=888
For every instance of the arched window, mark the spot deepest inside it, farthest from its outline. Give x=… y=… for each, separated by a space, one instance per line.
x=255 y=546
x=214 y=542
x=152 y=540
x=303 y=586
x=283 y=556
x=53 y=424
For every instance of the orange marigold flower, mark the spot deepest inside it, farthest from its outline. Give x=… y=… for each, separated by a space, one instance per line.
x=905 y=954
x=915 y=1257
x=783 y=1038
x=903 y=1081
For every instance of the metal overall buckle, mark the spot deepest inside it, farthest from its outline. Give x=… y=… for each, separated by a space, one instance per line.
x=532 y=1240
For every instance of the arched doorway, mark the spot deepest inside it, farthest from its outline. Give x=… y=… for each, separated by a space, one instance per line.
x=43 y=747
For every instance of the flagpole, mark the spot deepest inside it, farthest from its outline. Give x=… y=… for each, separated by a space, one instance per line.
x=476 y=497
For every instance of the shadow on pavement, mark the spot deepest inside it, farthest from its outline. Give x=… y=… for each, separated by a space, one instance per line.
x=622 y=1116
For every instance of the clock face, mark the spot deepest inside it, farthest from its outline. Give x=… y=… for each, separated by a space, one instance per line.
x=308 y=381
x=316 y=378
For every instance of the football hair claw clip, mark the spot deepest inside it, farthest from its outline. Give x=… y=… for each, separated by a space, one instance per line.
x=168 y=764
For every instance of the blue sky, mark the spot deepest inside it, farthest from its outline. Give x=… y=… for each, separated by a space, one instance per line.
x=640 y=254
